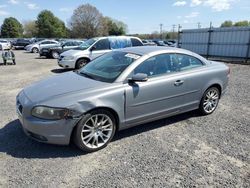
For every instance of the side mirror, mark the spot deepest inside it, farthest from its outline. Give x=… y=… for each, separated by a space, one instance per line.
x=93 y=48
x=139 y=77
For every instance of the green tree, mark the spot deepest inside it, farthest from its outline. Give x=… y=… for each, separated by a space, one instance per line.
x=242 y=23
x=30 y=29
x=87 y=22
x=227 y=23
x=11 y=28
x=50 y=26
x=114 y=27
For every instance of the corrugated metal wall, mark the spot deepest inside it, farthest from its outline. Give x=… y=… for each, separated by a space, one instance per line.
x=233 y=42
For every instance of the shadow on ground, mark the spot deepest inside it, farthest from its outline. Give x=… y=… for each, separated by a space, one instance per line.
x=58 y=71
x=15 y=143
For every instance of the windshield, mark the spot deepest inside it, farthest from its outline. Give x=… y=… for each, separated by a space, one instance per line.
x=108 y=67
x=85 y=45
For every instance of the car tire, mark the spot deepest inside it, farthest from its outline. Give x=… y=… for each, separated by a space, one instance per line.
x=95 y=130
x=5 y=62
x=81 y=63
x=54 y=54
x=35 y=50
x=209 y=101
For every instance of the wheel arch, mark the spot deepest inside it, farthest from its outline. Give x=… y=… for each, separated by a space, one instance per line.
x=111 y=110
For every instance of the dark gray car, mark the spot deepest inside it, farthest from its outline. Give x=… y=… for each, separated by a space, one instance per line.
x=118 y=90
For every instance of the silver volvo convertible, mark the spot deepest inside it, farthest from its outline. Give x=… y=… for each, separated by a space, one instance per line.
x=119 y=90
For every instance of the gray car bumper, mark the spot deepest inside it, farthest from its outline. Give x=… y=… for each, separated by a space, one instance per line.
x=53 y=132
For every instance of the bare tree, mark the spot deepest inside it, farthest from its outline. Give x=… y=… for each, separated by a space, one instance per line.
x=86 y=22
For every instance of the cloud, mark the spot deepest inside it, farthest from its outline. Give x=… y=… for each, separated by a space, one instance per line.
x=216 y=5
x=14 y=2
x=192 y=15
x=32 y=6
x=195 y=3
x=4 y=13
x=65 y=9
x=179 y=3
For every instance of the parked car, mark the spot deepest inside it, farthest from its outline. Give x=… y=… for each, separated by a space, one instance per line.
x=55 y=51
x=120 y=89
x=34 y=48
x=93 y=48
x=21 y=43
x=159 y=43
x=171 y=43
x=148 y=43
x=4 y=44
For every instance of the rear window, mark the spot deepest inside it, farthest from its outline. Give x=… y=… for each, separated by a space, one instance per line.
x=136 y=42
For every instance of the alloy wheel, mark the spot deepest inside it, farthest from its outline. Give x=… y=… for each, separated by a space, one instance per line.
x=97 y=131
x=211 y=100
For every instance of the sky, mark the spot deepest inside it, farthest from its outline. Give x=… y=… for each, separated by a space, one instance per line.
x=141 y=16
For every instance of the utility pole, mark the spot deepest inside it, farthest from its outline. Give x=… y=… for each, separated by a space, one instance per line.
x=178 y=38
x=161 y=30
x=199 y=25
x=173 y=31
x=211 y=25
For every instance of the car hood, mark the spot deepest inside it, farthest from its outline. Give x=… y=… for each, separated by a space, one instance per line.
x=51 y=46
x=73 y=52
x=58 y=85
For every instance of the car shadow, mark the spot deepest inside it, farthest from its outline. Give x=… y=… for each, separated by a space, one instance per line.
x=58 y=71
x=14 y=142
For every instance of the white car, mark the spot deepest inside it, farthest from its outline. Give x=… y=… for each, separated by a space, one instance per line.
x=35 y=48
x=92 y=48
x=4 y=44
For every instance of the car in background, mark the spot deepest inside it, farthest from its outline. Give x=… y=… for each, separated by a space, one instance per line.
x=159 y=43
x=4 y=44
x=171 y=43
x=55 y=51
x=21 y=43
x=93 y=48
x=118 y=90
x=34 y=48
x=148 y=42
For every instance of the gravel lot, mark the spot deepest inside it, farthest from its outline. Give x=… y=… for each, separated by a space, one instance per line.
x=183 y=151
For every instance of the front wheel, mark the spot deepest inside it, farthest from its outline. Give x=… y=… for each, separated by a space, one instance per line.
x=55 y=54
x=81 y=63
x=209 y=101
x=95 y=130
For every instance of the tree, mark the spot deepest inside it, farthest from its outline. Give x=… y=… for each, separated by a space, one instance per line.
x=50 y=26
x=87 y=22
x=114 y=27
x=242 y=23
x=30 y=29
x=227 y=23
x=11 y=28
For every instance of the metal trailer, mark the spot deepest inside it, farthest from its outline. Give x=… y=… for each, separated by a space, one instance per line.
x=227 y=42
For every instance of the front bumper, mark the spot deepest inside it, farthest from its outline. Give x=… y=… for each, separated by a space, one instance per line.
x=46 y=131
x=44 y=53
x=67 y=64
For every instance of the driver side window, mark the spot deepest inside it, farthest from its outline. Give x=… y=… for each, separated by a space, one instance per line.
x=158 y=65
x=102 y=44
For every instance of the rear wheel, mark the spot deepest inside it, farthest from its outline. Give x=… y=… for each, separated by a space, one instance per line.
x=209 y=101
x=95 y=130
x=81 y=63
x=55 y=54
x=35 y=50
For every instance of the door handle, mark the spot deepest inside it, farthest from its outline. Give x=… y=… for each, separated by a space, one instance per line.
x=178 y=82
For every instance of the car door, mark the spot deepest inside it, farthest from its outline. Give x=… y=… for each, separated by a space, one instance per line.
x=196 y=78
x=101 y=47
x=163 y=94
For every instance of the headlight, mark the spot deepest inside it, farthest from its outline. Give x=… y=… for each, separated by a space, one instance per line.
x=68 y=58
x=49 y=113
